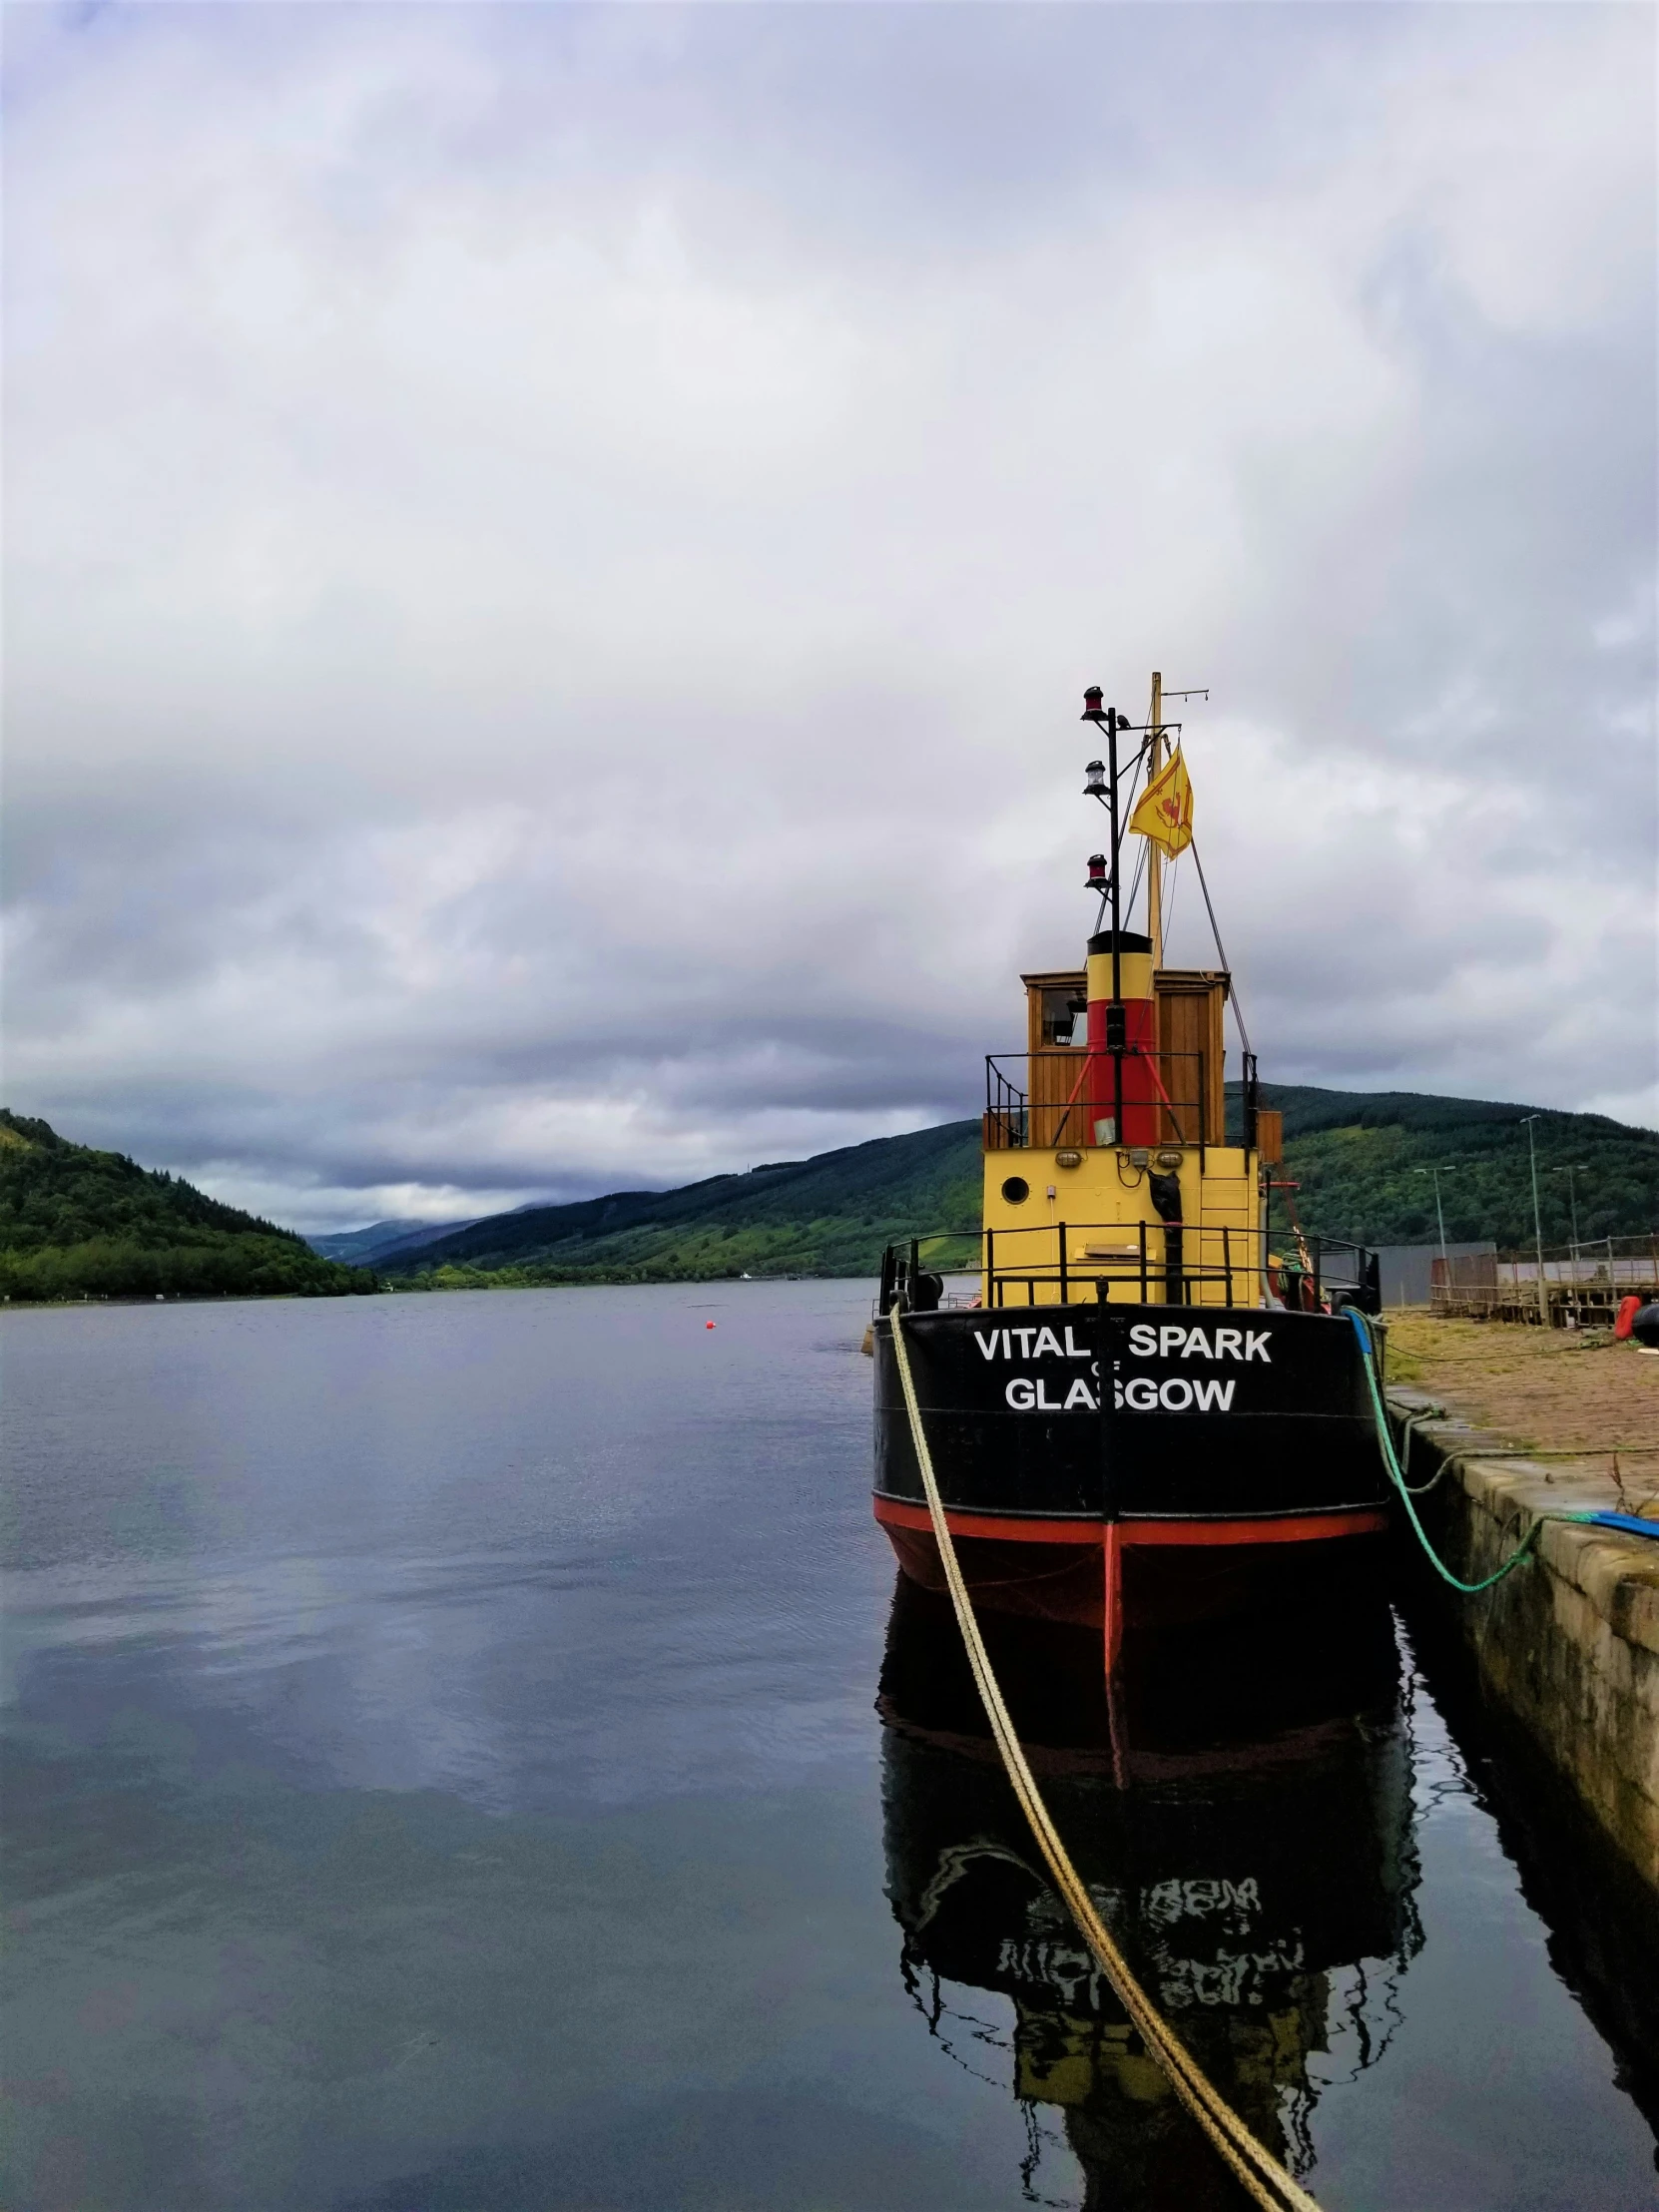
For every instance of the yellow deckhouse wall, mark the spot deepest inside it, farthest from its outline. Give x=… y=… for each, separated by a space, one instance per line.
x=1100 y=1197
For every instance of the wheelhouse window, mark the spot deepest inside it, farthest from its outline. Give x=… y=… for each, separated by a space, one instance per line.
x=1065 y=1017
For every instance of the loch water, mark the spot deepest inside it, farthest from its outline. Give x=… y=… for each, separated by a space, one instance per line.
x=471 y=1752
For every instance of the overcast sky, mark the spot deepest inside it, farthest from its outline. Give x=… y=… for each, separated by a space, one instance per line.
x=552 y=556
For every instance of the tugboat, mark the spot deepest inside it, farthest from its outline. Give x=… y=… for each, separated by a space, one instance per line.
x=1147 y=1412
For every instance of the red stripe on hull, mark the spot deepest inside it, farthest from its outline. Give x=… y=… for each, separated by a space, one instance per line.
x=1061 y=1572
x=1272 y=1528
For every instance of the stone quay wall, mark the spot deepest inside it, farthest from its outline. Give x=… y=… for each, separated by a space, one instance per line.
x=1569 y=1642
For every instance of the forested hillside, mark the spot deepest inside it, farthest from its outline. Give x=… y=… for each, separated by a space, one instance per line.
x=1360 y=1160
x=826 y=1216
x=76 y=1223
x=1355 y=1155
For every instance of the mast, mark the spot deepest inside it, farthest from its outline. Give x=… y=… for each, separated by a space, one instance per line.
x=1154 y=859
x=1114 y=1012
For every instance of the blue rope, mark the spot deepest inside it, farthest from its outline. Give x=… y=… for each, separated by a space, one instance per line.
x=1631 y=1523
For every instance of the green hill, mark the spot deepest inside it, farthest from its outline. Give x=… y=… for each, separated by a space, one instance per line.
x=827 y=1216
x=75 y=1223
x=1353 y=1155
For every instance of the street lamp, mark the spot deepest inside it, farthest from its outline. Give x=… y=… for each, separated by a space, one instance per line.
x=1537 y=1219
x=1572 y=1173
x=1578 y=1168
x=1446 y=1168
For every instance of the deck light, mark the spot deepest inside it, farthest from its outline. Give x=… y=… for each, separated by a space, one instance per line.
x=1097 y=872
x=1092 y=709
x=1095 y=779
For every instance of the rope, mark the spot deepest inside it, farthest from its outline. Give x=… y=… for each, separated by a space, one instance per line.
x=1408 y=1430
x=1250 y=2161
x=1221 y=949
x=1633 y=1524
x=1362 y=1329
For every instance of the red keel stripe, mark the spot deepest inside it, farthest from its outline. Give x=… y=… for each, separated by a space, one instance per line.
x=1278 y=1528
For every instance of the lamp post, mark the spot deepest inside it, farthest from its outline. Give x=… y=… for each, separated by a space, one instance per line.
x=1572 y=1173
x=1578 y=1168
x=1446 y=1168
x=1537 y=1219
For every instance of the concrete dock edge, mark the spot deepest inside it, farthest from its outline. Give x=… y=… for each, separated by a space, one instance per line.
x=1569 y=1642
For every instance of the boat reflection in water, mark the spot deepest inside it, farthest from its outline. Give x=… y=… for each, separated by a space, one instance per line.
x=1243 y=1817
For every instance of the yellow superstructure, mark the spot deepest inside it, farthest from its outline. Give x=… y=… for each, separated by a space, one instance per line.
x=1065 y=1213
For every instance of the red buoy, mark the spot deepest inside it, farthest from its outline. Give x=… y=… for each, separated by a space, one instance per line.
x=708 y=1325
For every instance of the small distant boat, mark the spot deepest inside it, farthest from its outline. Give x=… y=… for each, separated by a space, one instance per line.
x=1156 y=1406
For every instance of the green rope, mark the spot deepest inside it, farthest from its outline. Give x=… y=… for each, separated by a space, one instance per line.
x=1386 y=1440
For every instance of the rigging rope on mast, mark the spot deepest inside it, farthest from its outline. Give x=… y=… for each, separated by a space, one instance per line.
x=1221 y=949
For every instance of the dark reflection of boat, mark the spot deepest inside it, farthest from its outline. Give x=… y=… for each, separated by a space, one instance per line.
x=1257 y=1868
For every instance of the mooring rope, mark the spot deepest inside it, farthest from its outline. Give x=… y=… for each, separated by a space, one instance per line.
x=1386 y=1443
x=1249 y=2159
x=1630 y=1524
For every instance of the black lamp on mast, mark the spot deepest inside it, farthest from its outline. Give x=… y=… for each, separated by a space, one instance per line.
x=1101 y=782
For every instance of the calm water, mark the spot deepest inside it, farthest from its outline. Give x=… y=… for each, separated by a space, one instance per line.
x=443 y=1771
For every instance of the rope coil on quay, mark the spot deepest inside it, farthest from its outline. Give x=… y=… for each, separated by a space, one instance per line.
x=1253 y=2165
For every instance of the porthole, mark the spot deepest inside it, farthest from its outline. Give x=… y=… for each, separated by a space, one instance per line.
x=1016 y=1190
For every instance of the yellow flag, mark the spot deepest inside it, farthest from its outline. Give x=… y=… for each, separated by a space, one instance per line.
x=1165 y=813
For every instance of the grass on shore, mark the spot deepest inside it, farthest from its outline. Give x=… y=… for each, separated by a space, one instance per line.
x=1564 y=1391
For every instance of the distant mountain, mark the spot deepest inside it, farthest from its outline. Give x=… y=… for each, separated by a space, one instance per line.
x=1353 y=1154
x=826 y=1215
x=359 y=1246
x=76 y=1223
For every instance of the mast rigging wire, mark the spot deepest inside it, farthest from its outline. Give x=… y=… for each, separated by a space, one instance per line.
x=1221 y=949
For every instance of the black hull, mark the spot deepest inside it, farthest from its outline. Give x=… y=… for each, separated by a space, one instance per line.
x=1252 y=1415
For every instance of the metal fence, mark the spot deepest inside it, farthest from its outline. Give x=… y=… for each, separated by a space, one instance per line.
x=1578 y=1285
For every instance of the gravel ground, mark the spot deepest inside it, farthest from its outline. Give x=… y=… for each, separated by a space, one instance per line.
x=1572 y=1391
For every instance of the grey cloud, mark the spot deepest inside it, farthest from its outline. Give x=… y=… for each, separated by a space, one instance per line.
x=551 y=554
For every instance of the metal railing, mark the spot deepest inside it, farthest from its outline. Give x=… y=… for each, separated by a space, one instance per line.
x=1044 y=1099
x=1146 y=1263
